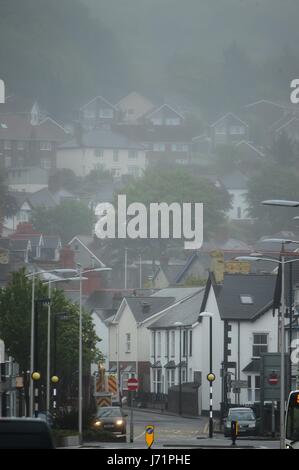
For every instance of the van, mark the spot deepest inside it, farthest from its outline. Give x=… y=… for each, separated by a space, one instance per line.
x=25 y=433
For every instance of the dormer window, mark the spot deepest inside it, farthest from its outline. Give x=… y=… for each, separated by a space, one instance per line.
x=246 y=299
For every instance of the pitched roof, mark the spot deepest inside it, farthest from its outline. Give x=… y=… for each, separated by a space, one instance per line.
x=52 y=241
x=178 y=293
x=253 y=366
x=19 y=127
x=103 y=138
x=98 y=98
x=170 y=272
x=259 y=287
x=20 y=245
x=43 y=197
x=145 y=307
x=186 y=312
x=228 y=115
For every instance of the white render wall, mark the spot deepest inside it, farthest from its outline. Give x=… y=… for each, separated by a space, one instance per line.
x=83 y=161
x=102 y=332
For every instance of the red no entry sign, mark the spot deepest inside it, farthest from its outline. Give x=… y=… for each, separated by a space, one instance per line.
x=132 y=385
x=273 y=379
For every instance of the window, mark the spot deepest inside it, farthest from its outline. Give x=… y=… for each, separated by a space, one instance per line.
x=239 y=213
x=190 y=343
x=170 y=378
x=46 y=146
x=132 y=154
x=220 y=130
x=89 y=114
x=7 y=145
x=260 y=344
x=46 y=163
x=153 y=344
x=116 y=172
x=167 y=343
x=133 y=170
x=246 y=299
x=179 y=148
x=185 y=342
x=234 y=130
x=172 y=339
x=20 y=145
x=7 y=161
x=254 y=388
x=99 y=153
x=157 y=121
x=128 y=342
x=159 y=147
x=159 y=344
x=183 y=375
x=106 y=113
x=173 y=121
x=115 y=155
x=158 y=386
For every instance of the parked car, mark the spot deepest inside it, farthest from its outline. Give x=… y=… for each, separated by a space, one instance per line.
x=111 y=419
x=247 y=422
x=25 y=433
x=47 y=417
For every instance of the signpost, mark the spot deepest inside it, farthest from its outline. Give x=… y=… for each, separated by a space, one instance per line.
x=132 y=387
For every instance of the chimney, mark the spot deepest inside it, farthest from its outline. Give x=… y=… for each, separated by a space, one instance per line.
x=67 y=257
x=93 y=283
x=217 y=266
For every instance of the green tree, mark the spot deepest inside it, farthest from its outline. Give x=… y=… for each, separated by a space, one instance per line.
x=272 y=182
x=178 y=185
x=95 y=179
x=15 y=324
x=68 y=219
x=8 y=205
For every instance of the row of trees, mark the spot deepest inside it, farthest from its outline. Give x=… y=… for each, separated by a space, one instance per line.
x=15 y=324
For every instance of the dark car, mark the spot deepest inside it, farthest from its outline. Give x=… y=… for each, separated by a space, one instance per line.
x=247 y=422
x=25 y=433
x=111 y=419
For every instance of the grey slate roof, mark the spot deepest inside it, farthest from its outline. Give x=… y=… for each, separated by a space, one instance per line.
x=51 y=241
x=19 y=245
x=259 y=286
x=253 y=366
x=186 y=312
x=156 y=304
x=104 y=138
x=178 y=293
x=43 y=197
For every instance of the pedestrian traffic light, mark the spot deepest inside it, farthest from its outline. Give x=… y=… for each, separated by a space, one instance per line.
x=35 y=376
x=54 y=379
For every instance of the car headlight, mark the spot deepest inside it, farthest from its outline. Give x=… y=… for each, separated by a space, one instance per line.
x=119 y=422
x=98 y=423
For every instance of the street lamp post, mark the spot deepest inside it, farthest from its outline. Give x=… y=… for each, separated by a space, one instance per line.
x=211 y=376
x=32 y=330
x=80 y=386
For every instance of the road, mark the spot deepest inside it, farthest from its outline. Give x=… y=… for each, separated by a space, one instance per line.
x=175 y=432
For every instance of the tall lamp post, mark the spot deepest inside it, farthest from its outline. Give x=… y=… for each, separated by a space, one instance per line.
x=281 y=262
x=80 y=387
x=32 y=329
x=179 y=325
x=211 y=376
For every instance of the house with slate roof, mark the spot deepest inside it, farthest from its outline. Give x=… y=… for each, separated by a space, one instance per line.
x=129 y=336
x=103 y=148
x=167 y=340
x=243 y=328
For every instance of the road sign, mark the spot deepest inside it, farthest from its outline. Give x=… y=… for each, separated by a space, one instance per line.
x=239 y=383
x=273 y=379
x=132 y=385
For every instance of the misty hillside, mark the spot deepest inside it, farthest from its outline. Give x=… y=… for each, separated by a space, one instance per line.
x=218 y=54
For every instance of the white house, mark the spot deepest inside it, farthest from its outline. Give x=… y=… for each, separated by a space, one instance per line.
x=243 y=328
x=103 y=149
x=130 y=338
